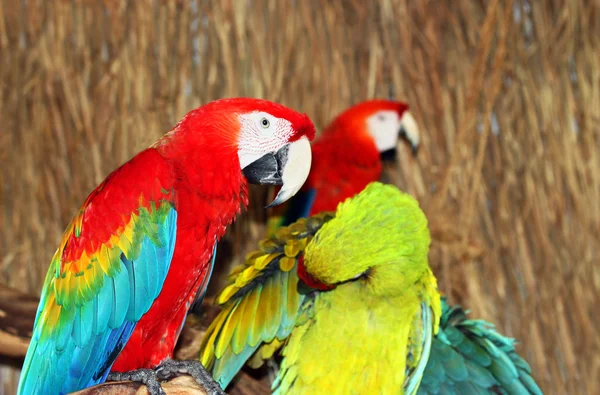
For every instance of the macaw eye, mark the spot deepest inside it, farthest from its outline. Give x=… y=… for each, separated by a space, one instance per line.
x=381 y=117
x=265 y=123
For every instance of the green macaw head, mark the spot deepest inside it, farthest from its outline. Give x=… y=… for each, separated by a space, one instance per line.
x=378 y=237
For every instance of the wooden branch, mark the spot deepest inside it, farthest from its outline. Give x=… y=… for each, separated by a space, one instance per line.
x=17 y=314
x=182 y=385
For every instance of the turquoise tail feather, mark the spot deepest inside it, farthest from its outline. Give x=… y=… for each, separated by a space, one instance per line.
x=470 y=357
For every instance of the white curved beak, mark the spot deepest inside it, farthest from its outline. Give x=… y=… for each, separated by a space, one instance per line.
x=295 y=170
x=410 y=130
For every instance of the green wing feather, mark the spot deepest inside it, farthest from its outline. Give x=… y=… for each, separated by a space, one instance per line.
x=260 y=303
x=420 y=348
x=470 y=357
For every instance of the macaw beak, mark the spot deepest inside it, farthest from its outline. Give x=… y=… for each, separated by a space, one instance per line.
x=289 y=167
x=410 y=131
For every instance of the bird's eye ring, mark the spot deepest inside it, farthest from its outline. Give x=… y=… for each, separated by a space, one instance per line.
x=265 y=123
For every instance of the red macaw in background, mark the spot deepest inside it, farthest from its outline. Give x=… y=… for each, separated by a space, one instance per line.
x=347 y=156
x=139 y=249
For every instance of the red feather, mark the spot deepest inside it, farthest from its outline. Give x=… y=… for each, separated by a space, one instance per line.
x=97 y=222
x=309 y=280
x=210 y=192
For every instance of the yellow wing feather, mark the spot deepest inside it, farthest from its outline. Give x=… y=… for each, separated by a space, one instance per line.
x=260 y=302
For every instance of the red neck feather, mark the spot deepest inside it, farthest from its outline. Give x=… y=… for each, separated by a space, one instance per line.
x=309 y=280
x=203 y=150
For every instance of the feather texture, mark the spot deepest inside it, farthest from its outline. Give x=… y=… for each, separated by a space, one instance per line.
x=99 y=284
x=345 y=147
x=351 y=329
x=260 y=302
x=469 y=356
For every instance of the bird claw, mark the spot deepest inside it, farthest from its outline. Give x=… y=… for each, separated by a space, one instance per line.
x=148 y=377
x=170 y=368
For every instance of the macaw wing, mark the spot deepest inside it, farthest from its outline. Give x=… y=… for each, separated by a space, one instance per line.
x=260 y=304
x=470 y=357
x=110 y=266
x=419 y=348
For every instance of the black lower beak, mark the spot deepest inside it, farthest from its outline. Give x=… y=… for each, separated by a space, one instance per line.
x=268 y=169
x=389 y=155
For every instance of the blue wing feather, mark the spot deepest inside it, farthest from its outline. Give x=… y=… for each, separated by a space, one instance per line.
x=89 y=337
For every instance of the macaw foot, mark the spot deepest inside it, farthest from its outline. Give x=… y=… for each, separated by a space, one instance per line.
x=170 y=368
x=148 y=377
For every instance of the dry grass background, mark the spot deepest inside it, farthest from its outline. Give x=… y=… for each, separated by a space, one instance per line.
x=507 y=94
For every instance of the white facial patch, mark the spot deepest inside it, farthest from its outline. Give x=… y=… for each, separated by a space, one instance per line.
x=261 y=133
x=384 y=126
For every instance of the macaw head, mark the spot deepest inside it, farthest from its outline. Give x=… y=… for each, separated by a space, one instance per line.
x=380 y=123
x=378 y=237
x=269 y=142
x=274 y=148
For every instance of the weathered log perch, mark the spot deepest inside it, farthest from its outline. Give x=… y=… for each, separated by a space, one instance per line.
x=182 y=385
x=17 y=313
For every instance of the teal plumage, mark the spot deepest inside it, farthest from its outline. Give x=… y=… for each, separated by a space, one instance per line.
x=76 y=336
x=470 y=357
x=139 y=249
x=362 y=329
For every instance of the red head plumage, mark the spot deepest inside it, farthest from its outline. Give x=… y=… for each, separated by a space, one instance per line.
x=353 y=120
x=347 y=155
x=219 y=119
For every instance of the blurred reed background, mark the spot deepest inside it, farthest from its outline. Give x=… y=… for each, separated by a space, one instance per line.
x=507 y=94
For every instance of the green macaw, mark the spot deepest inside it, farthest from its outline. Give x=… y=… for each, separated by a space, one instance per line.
x=349 y=300
x=366 y=311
